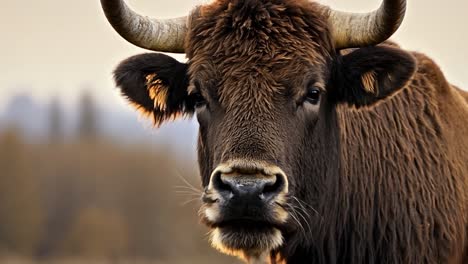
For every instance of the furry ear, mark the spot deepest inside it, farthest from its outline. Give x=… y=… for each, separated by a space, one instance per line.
x=368 y=75
x=155 y=84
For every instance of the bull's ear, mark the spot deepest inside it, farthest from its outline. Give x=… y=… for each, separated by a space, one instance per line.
x=155 y=84
x=367 y=75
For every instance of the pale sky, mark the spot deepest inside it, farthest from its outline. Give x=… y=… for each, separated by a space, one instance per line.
x=54 y=47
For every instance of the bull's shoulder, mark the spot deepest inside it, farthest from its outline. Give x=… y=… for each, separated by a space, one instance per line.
x=463 y=93
x=429 y=74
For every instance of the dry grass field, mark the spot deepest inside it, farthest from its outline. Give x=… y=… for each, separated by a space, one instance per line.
x=192 y=260
x=98 y=200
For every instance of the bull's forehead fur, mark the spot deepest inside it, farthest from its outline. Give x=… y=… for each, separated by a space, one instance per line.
x=250 y=51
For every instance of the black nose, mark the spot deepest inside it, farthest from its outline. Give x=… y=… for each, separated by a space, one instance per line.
x=249 y=187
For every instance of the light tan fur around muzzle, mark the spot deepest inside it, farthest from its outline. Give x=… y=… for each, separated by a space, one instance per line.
x=247 y=172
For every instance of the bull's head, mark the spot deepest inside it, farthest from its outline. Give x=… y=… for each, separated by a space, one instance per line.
x=263 y=78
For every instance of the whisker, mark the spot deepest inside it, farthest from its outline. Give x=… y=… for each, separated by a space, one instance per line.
x=301 y=208
x=186 y=181
x=180 y=187
x=296 y=219
x=189 y=201
x=187 y=191
x=303 y=204
x=186 y=187
x=305 y=221
x=193 y=195
x=293 y=214
x=187 y=184
x=299 y=212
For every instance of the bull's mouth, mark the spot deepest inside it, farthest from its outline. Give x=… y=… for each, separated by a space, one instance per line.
x=248 y=238
x=247 y=225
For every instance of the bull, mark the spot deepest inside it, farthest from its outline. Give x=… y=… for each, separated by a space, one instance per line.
x=320 y=141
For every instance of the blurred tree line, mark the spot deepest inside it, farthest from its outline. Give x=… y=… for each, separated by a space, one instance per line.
x=93 y=198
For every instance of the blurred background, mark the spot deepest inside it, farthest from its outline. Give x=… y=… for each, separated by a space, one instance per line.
x=83 y=179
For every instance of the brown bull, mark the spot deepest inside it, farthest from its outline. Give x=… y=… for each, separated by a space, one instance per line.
x=309 y=152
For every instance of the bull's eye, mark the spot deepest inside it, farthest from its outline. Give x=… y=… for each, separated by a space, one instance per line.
x=313 y=96
x=198 y=100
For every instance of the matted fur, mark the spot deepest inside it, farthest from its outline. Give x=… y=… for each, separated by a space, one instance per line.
x=381 y=163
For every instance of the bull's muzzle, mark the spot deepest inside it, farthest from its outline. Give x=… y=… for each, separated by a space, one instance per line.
x=246 y=191
x=244 y=206
x=244 y=184
x=245 y=188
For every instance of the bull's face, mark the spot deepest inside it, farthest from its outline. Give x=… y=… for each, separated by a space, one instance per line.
x=257 y=96
x=263 y=79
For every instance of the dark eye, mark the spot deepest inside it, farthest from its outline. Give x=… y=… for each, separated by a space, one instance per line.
x=198 y=100
x=313 y=96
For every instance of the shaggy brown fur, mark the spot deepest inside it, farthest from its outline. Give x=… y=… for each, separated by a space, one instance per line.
x=380 y=163
x=403 y=180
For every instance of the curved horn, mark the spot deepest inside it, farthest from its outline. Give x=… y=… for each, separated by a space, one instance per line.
x=165 y=35
x=352 y=30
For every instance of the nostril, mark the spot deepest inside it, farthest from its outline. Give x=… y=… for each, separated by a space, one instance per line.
x=274 y=187
x=220 y=184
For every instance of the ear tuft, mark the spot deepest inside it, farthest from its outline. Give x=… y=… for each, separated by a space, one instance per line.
x=369 y=82
x=157 y=91
x=163 y=108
